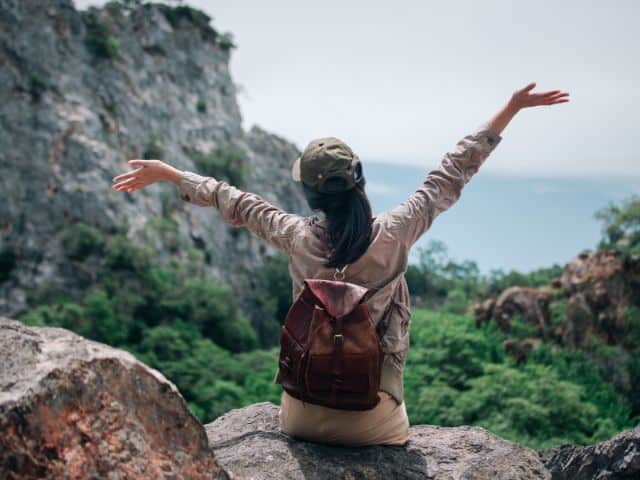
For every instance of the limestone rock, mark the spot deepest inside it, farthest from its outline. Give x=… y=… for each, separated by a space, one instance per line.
x=82 y=92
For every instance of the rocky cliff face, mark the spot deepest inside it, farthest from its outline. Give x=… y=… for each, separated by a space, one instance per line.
x=83 y=92
x=74 y=408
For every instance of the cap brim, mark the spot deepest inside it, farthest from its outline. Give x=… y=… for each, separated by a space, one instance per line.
x=295 y=170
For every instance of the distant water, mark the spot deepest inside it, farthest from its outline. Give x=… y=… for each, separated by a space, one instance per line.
x=508 y=223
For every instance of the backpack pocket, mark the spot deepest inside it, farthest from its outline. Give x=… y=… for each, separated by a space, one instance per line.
x=355 y=378
x=291 y=360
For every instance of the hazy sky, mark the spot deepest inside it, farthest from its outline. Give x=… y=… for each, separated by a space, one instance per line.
x=402 y=81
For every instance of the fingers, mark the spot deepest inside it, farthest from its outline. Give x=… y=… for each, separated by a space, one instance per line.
x=547 y=98
x=142 y=163
x=550 y=101
x=529 y=87
x=129 y=187
x=125 y=176
x=128 y=183
x=133 y=173
x=554 y=93
x=122 y=179
x=557 y=98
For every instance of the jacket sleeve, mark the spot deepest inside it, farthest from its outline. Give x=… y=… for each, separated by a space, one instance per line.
x=242 y=209
x=443 y=186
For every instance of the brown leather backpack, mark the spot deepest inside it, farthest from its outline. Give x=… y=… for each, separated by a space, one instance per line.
x=330 y=350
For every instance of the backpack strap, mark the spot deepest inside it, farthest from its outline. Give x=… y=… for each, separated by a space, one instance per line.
x=336 y=360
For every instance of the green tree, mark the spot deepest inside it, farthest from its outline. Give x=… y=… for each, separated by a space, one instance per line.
x=273 y=297
x=621 y=225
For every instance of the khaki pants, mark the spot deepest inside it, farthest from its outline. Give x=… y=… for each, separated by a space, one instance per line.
x=386 y=424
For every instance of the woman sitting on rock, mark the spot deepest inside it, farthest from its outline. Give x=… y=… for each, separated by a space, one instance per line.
x=342 y=232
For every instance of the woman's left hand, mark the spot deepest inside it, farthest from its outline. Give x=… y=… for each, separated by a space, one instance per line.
x=150 y=171
x=524 y=98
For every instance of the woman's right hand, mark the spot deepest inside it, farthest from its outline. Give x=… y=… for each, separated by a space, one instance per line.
x=150 y=171
x=523 y=97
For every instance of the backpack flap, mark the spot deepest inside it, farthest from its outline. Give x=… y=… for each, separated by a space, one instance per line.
x=337 y=297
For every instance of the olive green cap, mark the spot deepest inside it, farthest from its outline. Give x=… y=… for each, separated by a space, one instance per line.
x=327 y=157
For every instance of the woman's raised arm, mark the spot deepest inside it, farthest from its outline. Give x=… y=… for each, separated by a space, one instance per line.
x=443 y=185
x=238 y=208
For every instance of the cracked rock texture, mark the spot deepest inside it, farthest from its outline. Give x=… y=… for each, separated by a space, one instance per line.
x=248 y=444
x=71 y=408
x=616 y=458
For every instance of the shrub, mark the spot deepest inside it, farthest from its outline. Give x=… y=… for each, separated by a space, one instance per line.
x=212 y=380
x=213 y=309
x=558 y=312
x=154 y=149
x=226 y=41
x=201 y=106
x=67 y=315
x=122 y=254
x=81 y=240
x=227 y=162
x=37 y=86
x=520 y=329
x=457 y=301
x=184 y=13
x=47 y=293
x=100 y=40
x=7 y=263
x=106 y=325
x=417 y=281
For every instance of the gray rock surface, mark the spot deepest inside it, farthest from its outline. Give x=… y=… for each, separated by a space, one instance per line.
x=70 y=118
x=76 y=409
x=248 y=443
x=616 y=458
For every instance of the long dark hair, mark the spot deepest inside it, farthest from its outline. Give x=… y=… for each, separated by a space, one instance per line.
x=349 y=220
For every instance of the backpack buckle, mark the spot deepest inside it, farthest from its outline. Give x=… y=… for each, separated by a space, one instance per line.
x=339 y=273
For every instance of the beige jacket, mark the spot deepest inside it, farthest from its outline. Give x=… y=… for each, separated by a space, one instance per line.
x=383 y=265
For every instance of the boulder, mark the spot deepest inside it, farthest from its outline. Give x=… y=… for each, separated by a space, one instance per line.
x=248 y=444
x=616 y=458
x=73 y=408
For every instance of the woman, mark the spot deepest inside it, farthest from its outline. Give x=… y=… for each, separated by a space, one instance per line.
x=342 y=238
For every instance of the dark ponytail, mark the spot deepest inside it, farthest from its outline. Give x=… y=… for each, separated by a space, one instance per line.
x=349 y=220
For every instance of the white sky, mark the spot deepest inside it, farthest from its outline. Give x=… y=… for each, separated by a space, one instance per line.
x=402 y=81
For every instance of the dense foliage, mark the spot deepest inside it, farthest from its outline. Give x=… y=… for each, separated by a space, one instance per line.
x=193 y=330
x=438 y=282
x=457 y=374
